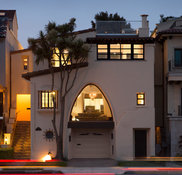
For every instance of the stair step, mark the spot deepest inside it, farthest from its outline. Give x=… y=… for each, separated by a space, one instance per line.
x=22 y=140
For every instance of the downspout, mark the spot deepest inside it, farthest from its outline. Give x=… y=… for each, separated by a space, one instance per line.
x=10 y=88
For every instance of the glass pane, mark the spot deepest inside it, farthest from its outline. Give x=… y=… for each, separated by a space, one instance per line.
x=178 y=58
x=102 y=50
x=91 y=105
x=102 y=56
x=115 y=56
x=115 y=46
x=140 y=102
x=126 y=51
x=138 y=46
x=138 y=51
x=126 y=46
x=138 y=56
x=102 y=46
x=126 y=56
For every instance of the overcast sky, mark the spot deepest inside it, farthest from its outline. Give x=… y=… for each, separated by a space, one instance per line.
x=33 y=15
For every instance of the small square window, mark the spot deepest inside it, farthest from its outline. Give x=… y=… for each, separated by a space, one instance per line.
x=25 y=62
x=140 y=98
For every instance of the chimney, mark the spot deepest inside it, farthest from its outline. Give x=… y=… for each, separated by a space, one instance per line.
x=144 y=30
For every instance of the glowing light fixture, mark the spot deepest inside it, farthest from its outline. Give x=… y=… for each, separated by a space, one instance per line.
x=47 y=157
x=92 y=95
x=7 y=137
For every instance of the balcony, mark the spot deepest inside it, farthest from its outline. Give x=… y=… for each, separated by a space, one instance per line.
x=174 y=71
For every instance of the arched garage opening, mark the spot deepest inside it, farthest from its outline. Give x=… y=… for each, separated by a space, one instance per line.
x=91 y=124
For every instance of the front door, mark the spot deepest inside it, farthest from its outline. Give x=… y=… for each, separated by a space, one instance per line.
x=23 y=107
x=1 y=104
x=140 y=143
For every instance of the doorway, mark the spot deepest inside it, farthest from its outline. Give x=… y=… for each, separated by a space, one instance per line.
x=140 y=143
x=23 y=107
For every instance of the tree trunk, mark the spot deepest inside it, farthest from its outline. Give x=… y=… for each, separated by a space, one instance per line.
x=61 y=126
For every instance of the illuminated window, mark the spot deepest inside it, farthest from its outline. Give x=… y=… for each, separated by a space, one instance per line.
x=141 y=98
x=91 y=105
x=47 y=99
x=120 y=51
x=64 y=59
x=25 y=62
x=102 y=52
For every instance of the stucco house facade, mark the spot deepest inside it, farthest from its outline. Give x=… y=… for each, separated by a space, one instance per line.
x=109 y=112
x=168 y=78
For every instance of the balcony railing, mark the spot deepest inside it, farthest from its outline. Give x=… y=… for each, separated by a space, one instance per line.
x=172 y=66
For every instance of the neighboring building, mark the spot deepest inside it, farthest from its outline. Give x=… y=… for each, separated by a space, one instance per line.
x=14 y=90
x=110 y=110
x=168 y=86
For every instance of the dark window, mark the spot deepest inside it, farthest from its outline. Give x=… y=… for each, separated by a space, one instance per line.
x=178 y=57
x=120 y=51
x=46 y=99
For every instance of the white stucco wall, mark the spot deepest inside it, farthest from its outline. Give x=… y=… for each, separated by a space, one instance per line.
x=119 y=81
x=18 y=84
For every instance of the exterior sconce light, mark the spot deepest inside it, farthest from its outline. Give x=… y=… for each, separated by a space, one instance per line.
x=92 y=95
x=47 y=157
x=7 y=138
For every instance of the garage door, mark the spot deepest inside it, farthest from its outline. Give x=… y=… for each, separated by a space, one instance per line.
x=90 y=143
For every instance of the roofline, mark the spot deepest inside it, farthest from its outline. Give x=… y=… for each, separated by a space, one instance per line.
x=29 y=75
x=101 y=40
x=84 y=31
x=20 y=51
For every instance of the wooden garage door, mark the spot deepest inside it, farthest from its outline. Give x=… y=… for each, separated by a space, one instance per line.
x=90 y=143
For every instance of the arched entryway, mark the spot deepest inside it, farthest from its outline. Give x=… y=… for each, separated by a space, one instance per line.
x=91 y=124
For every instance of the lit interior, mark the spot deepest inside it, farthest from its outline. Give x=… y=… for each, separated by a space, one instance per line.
x=25 y=62
x=47 y=99
x=64 y=61
x=91 y=105
x=141 y=98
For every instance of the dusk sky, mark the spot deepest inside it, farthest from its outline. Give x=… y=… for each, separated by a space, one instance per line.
x=33 y=15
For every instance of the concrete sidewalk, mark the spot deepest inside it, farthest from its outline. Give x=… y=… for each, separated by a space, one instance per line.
x=92 y=162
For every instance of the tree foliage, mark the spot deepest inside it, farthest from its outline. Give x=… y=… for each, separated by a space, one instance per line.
x=164 y=19
x=105 y=16
x=60 y=41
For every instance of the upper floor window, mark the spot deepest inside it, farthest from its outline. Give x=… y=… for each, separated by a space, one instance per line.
x=178 y=57
x=25 y=62
x=120 y=51
x=55 y=62
x=46 y=99
x=141 y=98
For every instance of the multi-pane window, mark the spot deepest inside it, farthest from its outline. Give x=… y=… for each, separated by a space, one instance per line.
x=120 y=51
x=25 y=62
x=47 y=99
x=102 y=51
x=55 y=62
x=141 y=98
x=178 y=57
